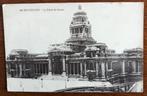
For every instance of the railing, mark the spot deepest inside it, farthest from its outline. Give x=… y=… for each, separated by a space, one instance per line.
x=105 y=58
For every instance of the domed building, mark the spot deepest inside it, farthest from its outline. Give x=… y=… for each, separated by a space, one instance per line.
x=80 y=56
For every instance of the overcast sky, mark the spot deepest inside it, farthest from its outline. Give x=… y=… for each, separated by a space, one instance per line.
x=36 y=26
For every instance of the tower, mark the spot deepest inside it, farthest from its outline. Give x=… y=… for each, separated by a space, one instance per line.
x=80 y=31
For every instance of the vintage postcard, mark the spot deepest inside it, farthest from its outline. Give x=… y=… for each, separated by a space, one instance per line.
x=74 y=47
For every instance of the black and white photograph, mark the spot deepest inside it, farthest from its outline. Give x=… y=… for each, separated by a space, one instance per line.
x=74 y=47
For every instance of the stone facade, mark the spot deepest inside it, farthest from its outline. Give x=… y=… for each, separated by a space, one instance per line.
x=80 y=56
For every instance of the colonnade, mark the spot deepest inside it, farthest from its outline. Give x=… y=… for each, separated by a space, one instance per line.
x=79 y=68
x=100 y=67
x=41 y=68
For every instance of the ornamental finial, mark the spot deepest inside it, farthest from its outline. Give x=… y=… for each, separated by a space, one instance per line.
x=80 y=7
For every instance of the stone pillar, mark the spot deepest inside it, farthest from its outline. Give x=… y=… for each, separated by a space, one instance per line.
x=81 y=69
x=40 y=68
x=79 y=30
x=106 y=69
x=73 y=68
x=20 y=70
x=37 y=68
x=91 y=54
x=123 y=67
x=66 y=69
x=96 y=69
x=45 y=68
x=103 y=70
x=69 y=68
x=24 y=69
x=134 y=66
x=77 y=68
x=85 y=73
x=49 y=67
x=138 y=66
x=63 y=64
x=15 y=70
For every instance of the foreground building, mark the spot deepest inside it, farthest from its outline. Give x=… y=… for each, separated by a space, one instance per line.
x=80 y=56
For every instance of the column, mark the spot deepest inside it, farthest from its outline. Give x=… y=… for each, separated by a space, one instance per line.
x=49 y=67
x=73 y=68
x=66 y=69
x=138 y=66
x=36 y=68
x=77 y=69
x=107 y=66
x=45 y=68
x=123 y=67
x=79 y=30
x=134 y=66
x=103 y=70
x=20 y=70
x=85 y=69
x=16 y=65
x=69 y=68
x=93 y=65
x=24 y=69
x=91 y=54
x=15 y=69
x=39 y=68
x=81 y=71
x=96 y=69
x=123 y=79
x=63 y=64
x=106 y=69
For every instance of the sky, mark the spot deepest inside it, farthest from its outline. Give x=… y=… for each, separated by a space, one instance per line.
x=35 y=26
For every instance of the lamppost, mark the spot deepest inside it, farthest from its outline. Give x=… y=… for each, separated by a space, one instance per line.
x=41 y=82
x=21 y=85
